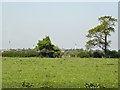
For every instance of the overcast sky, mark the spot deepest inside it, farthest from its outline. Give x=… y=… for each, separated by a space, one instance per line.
x=66 y=23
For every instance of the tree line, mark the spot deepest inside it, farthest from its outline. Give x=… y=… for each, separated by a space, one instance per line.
x=91 y=54
x=97 y=38
x=81 y=53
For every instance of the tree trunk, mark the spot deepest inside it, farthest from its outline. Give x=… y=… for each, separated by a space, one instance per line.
x=105 y=50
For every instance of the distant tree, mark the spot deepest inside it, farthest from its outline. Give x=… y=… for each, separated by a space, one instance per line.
x=112 y=54
x=47 y=49
x=98 y=36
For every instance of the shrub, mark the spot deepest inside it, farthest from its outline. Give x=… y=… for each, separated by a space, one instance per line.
x=83 y=54
x=20 y=53
x=93 y=85
x=98 y=54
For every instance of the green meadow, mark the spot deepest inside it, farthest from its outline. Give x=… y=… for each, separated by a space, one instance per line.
x=59 y=72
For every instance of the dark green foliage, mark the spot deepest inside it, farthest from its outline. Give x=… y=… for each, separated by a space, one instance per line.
x=44 y=44
x=113 y=54
x=98 y=54
x=21 y=53
x=93 y=85
x=83 y=54
x=119 y=54
x=27 y=84
x=47 y=49
x=67 y=53
x=91 y=53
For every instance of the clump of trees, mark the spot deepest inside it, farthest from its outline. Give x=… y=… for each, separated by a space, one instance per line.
x=47 y=49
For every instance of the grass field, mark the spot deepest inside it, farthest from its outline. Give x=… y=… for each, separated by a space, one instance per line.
x=59 y=72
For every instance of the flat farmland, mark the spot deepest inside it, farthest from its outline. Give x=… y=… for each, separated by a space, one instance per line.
x=59 y=72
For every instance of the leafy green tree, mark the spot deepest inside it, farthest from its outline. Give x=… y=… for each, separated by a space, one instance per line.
x=47 y=49
x=98 y=36
x=44 y=44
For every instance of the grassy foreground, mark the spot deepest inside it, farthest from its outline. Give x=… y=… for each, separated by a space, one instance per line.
x=58 y=72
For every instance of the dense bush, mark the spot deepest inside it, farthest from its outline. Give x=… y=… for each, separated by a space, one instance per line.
x=113 y=54
x=83 y=54
x=98 y=54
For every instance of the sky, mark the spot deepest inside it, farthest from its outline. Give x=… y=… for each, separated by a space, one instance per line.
x=0 y=25
x=67 y=23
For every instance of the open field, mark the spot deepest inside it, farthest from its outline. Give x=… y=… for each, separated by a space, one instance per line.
x=59 y=72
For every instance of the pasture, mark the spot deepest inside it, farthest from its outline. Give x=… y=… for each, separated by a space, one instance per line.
x=58 y=72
